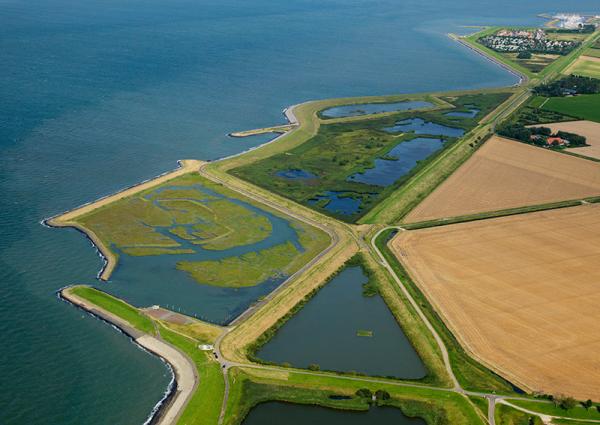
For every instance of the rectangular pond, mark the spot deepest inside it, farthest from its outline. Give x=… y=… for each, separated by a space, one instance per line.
x=420 y=126
x=399 y=161
x=277 y=413
x=327 y=331
x=373 y=108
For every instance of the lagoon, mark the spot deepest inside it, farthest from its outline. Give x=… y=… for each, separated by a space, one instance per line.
x=326 y=331
x=373 y=108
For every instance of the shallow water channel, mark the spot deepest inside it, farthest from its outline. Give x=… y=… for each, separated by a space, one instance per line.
x=373 y=108
x=277 y=413
x=326 y=332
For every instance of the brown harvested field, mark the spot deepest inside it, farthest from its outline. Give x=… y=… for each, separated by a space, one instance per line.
x=589 y=129
x=521 y=293
x=505 y=174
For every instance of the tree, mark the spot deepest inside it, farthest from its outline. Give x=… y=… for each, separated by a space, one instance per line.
x=364 y=393
x=524 y=55
x=565 y=402
x=587 y=404
x=382 y=395
x=314 y=366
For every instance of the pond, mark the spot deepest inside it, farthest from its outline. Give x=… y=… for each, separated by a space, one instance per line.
x=373 y=108
x=277 y=413
x=296 y=174
x=407 y=154
x=340 y=329
x=338 y=202
x=420 y=126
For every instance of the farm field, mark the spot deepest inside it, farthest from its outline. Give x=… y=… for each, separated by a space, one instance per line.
x=519 y=292
x=506 y=174
x=589 y=129
x=585 y=106
x=588 y=66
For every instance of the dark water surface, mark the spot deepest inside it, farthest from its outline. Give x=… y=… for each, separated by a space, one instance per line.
x=407 y=154
x=324 y=332
x=373 y=108
x=100 y=94
x=277 y=413
x=338 y=202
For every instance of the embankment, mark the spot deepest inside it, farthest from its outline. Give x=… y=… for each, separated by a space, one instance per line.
x=186 y=377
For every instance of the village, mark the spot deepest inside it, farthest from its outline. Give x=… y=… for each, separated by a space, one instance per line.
x=533 y=41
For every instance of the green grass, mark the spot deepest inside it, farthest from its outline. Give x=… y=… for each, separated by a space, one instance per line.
x=481 y=404
x=593 y=52
x=205 y=405
x=342 y=148
x=114 y=305
x=435 y=407
x=585 y=106
x=506 y=415
x=471 y=374
x=578 y=412
x=587 y=69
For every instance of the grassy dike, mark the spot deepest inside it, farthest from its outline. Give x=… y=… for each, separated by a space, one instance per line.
x=204 y=407
x=471 y=374
x=436 y=407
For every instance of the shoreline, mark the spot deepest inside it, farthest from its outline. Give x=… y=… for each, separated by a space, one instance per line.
x=184 y=377
x=523 y=79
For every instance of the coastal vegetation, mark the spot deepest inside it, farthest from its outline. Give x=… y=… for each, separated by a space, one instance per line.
x=337 y=161
x=189 y=214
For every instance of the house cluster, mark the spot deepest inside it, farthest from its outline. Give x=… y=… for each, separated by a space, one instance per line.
x=534 y=41
x=550 y=141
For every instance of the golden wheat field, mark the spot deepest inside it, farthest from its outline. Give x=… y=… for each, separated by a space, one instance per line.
x=521 y=293
x=505 y=174
x=589 y=129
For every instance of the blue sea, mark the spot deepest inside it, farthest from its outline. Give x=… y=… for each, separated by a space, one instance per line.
x=99 y=94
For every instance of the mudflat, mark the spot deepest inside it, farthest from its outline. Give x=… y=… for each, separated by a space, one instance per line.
x=521 y=293
x=506 y=174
